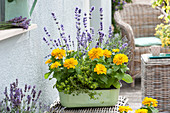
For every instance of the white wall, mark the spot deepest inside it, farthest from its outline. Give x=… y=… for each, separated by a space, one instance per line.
x=22 y=56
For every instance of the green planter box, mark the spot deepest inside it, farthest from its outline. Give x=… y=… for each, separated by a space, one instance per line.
x=108 y=98
x=9 y=10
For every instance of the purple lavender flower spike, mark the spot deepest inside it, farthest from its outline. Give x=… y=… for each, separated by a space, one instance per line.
x=101 y=34
x=62 y=27
x=110 y=32
x=57 y=44
x=8 y=109
x=79 y=11
x=28 y=99
x=29 y=87
x=34 y=93
x=59 y=41
x=25 y=88
x=124 y=45
x=96 y=46
x=73 y=43
x=92 y=8
x=69 y=38
x=101 y=10
x=107 y=42
x=54 y=17
x=85 y=20
x=16 y=82
x=101 y=26
x=76 y=9
x=28 y=108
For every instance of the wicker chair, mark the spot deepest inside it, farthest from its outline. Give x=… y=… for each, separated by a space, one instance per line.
x=137 y=20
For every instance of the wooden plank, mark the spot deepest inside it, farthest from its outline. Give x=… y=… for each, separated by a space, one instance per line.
x=4 y=34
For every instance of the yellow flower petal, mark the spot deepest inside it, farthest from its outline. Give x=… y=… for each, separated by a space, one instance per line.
x=100 y=69
x=70 y=63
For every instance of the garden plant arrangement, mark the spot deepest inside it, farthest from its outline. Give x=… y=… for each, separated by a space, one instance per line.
x=163 y=30
x=149 y=107
x=86 y=70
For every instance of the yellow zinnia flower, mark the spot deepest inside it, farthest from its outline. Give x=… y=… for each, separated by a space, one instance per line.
x=100 y=69
x=70 y=63
x=124 y=108
x=115 y=50
x=55 y=65
x=95 y=53
x=60 y=53
x=48 y=61
x=148 y=101
x=141 y=111
x=107 y=53
x=119 y=59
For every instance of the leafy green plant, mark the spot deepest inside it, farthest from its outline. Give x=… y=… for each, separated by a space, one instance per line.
x=85 y=70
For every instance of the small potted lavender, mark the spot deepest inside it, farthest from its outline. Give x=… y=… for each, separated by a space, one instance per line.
x=18 y=100
x=87 y=77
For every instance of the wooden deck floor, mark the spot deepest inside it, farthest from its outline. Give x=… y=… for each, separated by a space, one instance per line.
x=133 y=94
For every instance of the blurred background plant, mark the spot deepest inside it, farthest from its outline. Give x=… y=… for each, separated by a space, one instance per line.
x=20 y=100
x=163 y=30
x=117 y=5
x=17 y=22
x=149 y=105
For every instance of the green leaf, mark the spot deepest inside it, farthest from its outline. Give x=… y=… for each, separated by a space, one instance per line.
x=47 y=75
x=109 y=60
x=116 y=84
x=103 y=78
x=78 y=70
x=154 y=110
x=71 y=70
x=50 y=78
x=110 y=81
x=96 y=59
x=57 y=76
x=127 y=78
x=119 y=76
x=109 y=71
x=54 y=86
x=115 y=68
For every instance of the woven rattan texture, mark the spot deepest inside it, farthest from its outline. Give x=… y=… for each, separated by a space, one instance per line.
x=138 y=20
x=156 y=81
x=58 y=108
